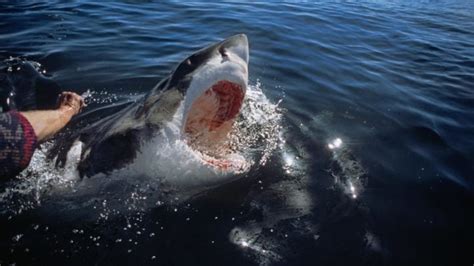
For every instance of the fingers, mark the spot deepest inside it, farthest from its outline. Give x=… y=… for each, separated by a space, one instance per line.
x=71 y=100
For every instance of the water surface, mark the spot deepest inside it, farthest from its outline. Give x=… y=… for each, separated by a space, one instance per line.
x=375 y=164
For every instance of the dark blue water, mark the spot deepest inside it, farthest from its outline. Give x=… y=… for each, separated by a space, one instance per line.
x=393 y=80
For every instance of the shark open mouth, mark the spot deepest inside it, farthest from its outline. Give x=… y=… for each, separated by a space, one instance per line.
x=210 y=121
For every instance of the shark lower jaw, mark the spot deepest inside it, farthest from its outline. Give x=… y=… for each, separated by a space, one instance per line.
x=210 y=121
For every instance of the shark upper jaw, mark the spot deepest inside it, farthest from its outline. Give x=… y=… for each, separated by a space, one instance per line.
x=214 y=99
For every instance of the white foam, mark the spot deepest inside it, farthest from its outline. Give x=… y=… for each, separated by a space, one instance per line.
x=165 y=164
x=167 y=159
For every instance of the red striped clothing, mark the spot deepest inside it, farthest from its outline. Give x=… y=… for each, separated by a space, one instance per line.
x=17 y=143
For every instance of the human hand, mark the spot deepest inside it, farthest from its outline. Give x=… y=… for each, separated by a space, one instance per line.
x=71 y=102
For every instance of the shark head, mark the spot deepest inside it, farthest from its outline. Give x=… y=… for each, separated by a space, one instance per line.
x=198 y=103
x=213 y=82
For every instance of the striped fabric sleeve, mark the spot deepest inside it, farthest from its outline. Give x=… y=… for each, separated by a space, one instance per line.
x=17 y=144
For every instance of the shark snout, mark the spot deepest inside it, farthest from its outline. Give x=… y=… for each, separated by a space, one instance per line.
x=237 y=45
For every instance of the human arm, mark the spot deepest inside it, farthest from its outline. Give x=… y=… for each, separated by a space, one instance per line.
x=46 y=123
x=20 y=132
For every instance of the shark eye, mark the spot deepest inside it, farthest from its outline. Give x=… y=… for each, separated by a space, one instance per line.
x=188 y=62
x=222 y=51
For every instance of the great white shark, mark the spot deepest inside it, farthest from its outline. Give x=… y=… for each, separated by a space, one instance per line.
x=202 y=96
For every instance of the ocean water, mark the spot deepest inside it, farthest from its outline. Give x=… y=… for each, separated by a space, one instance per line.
x=369 y=108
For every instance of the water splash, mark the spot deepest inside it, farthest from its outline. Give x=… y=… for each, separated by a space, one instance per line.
x=258 y=129
x=180 y=170
x=164 y=164
x=41 y=177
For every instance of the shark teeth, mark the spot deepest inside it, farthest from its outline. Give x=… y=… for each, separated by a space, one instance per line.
x=210 y=120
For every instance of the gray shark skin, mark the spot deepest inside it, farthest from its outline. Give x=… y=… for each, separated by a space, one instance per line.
x=114 y=141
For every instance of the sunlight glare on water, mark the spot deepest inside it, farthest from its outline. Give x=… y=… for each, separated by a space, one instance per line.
x=354 y=143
